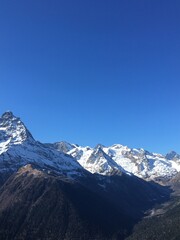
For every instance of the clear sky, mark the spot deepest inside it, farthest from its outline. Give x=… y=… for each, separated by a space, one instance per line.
x=88 y=72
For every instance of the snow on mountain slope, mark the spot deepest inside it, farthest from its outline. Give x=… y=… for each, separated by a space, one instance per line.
x=142 y=163
x=96 y=160
x=12 y=130
x=105 y=160
x=18 y=147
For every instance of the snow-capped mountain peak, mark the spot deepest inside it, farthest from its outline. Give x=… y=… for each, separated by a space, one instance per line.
x=18 y=148
x=102 y=163
x=7 y=115
x=140 y=162
x=172 y=155
x=95 y=160
x=13 y=130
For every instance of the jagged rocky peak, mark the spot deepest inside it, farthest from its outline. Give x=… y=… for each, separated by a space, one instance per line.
x=100 y=162
x=7 y=115
x=172 y=155
x=99 y=150
x=99 y=146
x=95 y=154
x=63 y=146
x=12 y=129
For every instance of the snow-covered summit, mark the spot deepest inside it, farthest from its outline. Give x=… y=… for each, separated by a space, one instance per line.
x=95 y=160
x=18 y=148
x=142 y=163
x=13 y=130
x=99 y=162
x=108 y=160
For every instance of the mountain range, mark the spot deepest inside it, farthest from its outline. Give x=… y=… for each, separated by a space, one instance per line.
x=66 y=191
x=107 y=160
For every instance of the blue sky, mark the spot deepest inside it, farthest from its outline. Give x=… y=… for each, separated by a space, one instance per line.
x=94 y=71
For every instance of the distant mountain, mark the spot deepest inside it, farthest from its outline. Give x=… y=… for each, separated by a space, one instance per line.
x=61 y=146
x=107 y=160
x=18 y=147
x=173 y=156
x=96 y=160
x=65 y=191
